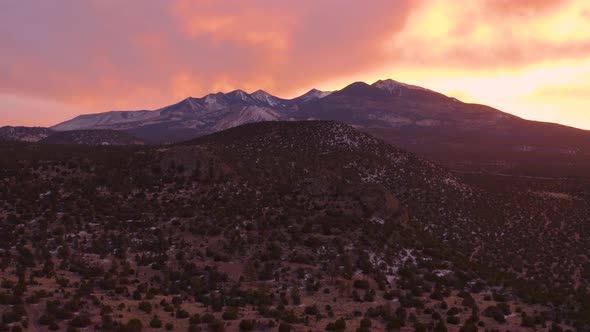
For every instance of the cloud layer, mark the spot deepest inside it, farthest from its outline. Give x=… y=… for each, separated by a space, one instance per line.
x=64 y=57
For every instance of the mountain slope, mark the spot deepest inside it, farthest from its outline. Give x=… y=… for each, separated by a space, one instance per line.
x=294 y=223
x=194 y=117
x=91 y=137
x=459 y=135
x=24 y=134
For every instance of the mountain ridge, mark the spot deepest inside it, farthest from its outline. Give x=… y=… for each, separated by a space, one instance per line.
x=91 y=137
x=458 y=135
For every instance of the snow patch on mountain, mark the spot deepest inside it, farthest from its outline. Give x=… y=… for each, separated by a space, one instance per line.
x=390 y=119
x=314 y=94
x=394 y=87
x=24 y=134
x=239 y=95
x=246 y=115
x=266 y=98
x=103 y=120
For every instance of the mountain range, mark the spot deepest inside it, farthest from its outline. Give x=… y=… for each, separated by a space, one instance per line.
x=463 y=136
x=193 y=117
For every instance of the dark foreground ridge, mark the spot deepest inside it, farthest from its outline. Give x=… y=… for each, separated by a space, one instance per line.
x=281 y=226
x=92 y=137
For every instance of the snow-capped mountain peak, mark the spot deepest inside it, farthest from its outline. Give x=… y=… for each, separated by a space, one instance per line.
x=314 y=94
x=198 y=116
x=261 y=95
x=190 y=101
x=394 y=87
x=266 y=98
x=239 y=95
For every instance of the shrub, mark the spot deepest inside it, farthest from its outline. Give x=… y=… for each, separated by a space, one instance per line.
x=453 y=320
x=182 y=314
x=453 y=311
x=339 y=325
x=295 y=296
x=145 y=307
x=361 y=284
x=365 y=325
x=284 y=327
x=217 y=325
x=499 y=297
x=156 y=322
x=134 y=325
x=247 y=324
x=195 y=319
x=9 y=316
x=80 y=321
x=230 y=313
x=468 y=327
x=440 y=327
x=369 y=295
x=207 y=318
x=420 y=327
x=194 y=328
x=46 y=319
x=495 y=313
x=312 y=310
x=366 y=322
x=504 y=307
x=106 y=322
x=527 y=321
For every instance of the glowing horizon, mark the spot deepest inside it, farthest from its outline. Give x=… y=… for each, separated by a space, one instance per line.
x=530 y=58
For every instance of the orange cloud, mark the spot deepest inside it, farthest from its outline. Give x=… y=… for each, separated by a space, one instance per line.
x=497 y=34
x=522 y=7
x=153 y=52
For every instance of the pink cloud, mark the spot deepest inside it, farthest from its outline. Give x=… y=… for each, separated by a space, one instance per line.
x=98 y=55
x=103 y=55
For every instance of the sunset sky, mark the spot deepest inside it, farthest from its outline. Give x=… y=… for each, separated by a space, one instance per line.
x=61 y=58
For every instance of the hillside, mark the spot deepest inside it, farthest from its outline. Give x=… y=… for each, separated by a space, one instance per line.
x=288 y=226
x=459 y=135
x=91 y=137
x=24 y=134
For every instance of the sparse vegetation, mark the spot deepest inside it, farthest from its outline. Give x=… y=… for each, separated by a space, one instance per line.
x=279 y=226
